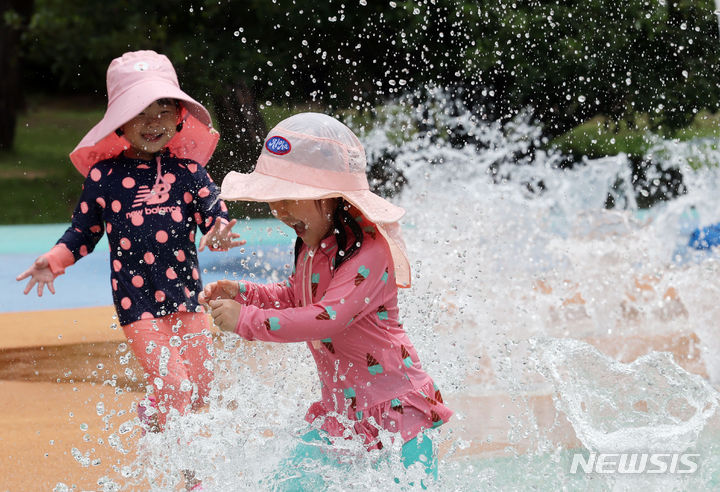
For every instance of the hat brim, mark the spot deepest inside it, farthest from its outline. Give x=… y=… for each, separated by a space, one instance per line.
x=196 y=141
x=258 y=187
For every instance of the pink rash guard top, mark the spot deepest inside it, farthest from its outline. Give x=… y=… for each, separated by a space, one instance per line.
x=366 y=363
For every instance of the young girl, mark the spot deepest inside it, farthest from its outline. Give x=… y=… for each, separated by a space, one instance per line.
x=342 y=297
x=146 y=186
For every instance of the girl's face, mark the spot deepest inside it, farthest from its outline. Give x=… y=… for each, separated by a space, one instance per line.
x=311 y=219
x=152 y=129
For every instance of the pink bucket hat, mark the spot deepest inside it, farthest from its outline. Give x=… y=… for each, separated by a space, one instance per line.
x=134 y=81
x=310 y=156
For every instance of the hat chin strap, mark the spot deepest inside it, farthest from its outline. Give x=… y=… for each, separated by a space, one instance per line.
x=179 y=126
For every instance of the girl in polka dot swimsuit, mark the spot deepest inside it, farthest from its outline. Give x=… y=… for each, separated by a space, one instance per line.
x=342 y=298
x=147 y=188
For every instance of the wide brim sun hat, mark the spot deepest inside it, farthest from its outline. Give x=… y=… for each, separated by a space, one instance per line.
x=134 y=81
x=311 y=156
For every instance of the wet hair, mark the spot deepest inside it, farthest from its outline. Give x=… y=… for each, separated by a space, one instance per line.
x=340 y=220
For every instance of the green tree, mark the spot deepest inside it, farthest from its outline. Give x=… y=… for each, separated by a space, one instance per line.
x=14 y=15
x=572 y=60
x=569 y=61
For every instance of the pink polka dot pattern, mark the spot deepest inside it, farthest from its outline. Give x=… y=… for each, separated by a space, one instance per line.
x=153 y=263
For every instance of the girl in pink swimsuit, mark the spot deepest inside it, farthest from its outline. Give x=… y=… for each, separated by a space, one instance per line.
x=350 y=260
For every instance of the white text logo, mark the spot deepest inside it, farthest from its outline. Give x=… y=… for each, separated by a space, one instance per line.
x=635 y=463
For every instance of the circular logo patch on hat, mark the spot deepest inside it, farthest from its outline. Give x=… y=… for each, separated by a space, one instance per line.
x=141 y=66
x=277 y=145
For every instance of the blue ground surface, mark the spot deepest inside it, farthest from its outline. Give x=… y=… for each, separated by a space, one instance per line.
x=87 y=283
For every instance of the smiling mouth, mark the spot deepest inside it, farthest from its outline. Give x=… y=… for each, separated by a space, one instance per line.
x=152 y=138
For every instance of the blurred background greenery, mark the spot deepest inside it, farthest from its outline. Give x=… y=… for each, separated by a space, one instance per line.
x=599 y=76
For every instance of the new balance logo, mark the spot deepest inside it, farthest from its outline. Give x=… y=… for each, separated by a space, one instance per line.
x=159 y=193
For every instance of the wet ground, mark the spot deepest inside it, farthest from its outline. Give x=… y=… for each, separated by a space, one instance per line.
x=56 y=366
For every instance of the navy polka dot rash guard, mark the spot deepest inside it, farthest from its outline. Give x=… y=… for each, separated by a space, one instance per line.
x=150 y=211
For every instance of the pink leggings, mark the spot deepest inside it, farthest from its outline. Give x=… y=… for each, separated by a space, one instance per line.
x=176 y=353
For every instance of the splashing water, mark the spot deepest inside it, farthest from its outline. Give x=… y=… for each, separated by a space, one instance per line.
x=530 y=302
x=649 y=404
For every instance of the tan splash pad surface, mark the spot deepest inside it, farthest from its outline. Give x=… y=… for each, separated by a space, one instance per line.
x=53 y=365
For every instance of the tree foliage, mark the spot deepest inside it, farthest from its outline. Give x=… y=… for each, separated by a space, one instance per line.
x=568 y=61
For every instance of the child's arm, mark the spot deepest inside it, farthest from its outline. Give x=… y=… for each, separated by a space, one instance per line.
x=78 y=240
x=42 y=273
x=220 y=236
x=357 y=290
x=279 y=295
x=211 y=215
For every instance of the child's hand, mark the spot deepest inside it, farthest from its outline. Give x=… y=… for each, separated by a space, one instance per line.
x=39 y=274
x=222 y=289
x=220 y=237
x=225 y=313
